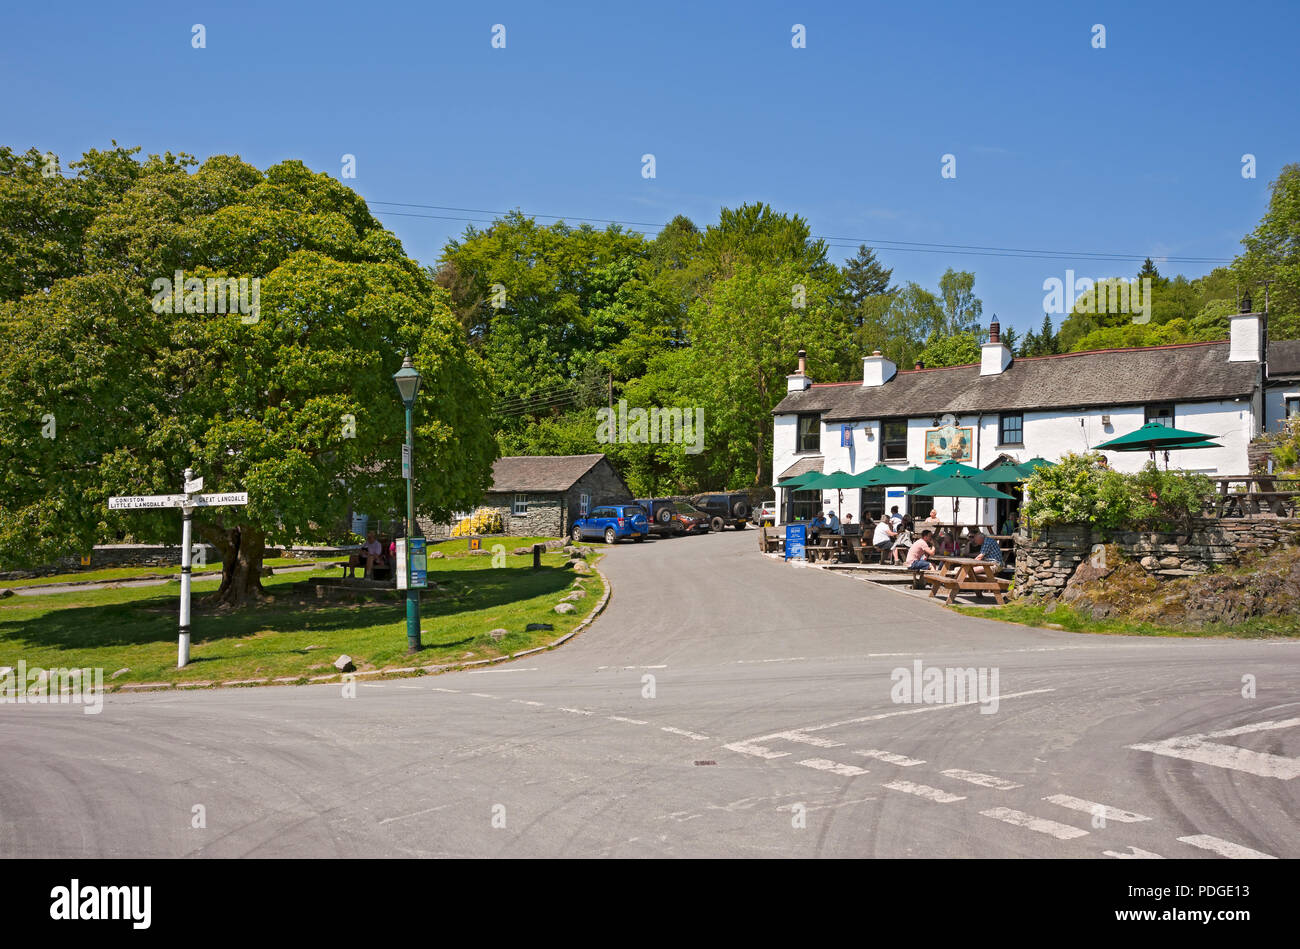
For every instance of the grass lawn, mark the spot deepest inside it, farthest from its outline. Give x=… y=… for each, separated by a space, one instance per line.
x=109 y=574
x=296 y=633
x=1065 y=617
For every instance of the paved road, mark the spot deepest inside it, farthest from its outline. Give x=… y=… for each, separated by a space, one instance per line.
x=773 y=730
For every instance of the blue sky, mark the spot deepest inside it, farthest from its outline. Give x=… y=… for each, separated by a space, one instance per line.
x=1131 y=149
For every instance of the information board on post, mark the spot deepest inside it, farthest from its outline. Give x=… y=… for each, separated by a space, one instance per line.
x=796 y=537
x=419 y=574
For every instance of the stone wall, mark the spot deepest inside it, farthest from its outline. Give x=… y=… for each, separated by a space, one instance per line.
x=1046 y=561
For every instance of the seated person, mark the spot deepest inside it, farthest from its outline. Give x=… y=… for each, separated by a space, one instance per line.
x=903 y=542
x=989 y=549
x=816 y=527
x=884 y=536
x=361 y=557
x=833 y=523
x=1010 y=524
x=918 y=553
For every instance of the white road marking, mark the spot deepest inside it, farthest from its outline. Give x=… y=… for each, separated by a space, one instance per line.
x=741 y=662
x=440 y=689
x=681 y=731
x=630 y=721
x=482 y=695
x=1196 y=748
x=912 y=711
x=808 y=739
x=983 y=780
x=575 y=711
x=925 y=791
x=1225 y=848
x=371 y=685
x=757 y=751
x=822 y=764
x=1134 y=854
x=901 y=760
x=525 y=702
x=1043 y=826
x=483 y=672
x=427 y=810
x=1090 y=807
x=416 y=687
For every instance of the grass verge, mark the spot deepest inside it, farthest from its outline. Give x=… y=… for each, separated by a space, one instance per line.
x=1062 y=616
x=296 y=632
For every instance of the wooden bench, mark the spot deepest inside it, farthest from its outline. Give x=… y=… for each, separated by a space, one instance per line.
x=966 y=575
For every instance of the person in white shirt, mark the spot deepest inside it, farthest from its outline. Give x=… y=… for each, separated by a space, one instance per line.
x=884 y=536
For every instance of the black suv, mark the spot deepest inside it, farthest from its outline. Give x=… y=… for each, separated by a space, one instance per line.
x=724 y=509
x=663 y=516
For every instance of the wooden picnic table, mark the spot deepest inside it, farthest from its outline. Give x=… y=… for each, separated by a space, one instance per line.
x=967 y=575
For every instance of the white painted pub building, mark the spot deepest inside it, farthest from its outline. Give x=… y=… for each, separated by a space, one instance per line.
x=1021 y=408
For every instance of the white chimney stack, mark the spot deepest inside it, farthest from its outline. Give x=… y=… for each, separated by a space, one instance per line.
x=877 y=370
x=798 y=381
x=994 y=355
x=1245 y=336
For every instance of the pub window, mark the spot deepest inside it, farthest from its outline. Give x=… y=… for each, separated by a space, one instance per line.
x=810 y=433
x=1011 y=428
x=1292 y=404
x=893 y=441
x=1161 y=412
x=805 y=505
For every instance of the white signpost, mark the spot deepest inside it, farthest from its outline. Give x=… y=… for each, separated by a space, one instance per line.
x=187 y=502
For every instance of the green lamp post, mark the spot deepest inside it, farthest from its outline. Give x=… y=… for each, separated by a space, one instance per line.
x=408 y=386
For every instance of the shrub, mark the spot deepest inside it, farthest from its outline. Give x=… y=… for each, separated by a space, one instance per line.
x=486 y=520
x=1079 y=490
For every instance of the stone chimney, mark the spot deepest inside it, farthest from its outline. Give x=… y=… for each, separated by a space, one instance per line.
x=877 y=370
x=994 y=355
x=1245 y=335
x=798 y=380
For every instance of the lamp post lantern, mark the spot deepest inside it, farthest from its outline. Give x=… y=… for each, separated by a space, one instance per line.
x=408 y=386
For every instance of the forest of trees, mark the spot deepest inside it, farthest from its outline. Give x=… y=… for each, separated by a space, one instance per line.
x=569 y=319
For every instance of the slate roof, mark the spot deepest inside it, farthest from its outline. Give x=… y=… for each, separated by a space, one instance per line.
x=1187 y=372
x=1283 y=358
x=803 y=466
x=540 y=472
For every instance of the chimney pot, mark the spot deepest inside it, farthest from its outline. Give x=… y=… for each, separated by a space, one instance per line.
x=875 y=352
x=919 y=364
x=803 y=362
x=995 y=331
x=1246 y=303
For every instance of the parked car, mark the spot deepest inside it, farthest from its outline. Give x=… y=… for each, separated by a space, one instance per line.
x=662 y=514
x=613 y=522
x=766 y=514
x=692 y=519
x=724 y=510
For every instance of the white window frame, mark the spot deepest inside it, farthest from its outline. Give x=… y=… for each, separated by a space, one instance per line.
x=520 y=505
x=584 y=504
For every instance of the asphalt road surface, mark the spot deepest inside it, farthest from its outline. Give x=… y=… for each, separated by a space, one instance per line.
x=723 y=705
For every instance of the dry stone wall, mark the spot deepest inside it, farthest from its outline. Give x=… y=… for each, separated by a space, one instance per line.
x=1046 y=560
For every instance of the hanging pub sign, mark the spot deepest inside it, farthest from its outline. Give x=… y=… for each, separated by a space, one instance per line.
x=949 y=443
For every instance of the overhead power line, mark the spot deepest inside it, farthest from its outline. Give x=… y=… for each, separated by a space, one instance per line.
x=921 y=247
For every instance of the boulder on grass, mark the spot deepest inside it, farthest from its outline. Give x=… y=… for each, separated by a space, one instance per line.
x=576 y=595
x=498 y=634
x=564 y=608
x=435 y=555
x=580 y=566
x=344 y=664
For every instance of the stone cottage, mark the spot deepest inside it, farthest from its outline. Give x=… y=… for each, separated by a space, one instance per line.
x=540 y=496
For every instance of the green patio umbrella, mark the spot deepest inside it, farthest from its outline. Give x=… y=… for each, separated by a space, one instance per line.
x=950 y=468
x=958 y=486
x=907 y=477
x=1154 y=437
x=835 y=481
x=1005 y=473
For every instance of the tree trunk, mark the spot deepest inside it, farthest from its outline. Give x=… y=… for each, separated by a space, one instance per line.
x=241 y=569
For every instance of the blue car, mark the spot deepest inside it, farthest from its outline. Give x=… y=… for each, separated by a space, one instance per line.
x=613 y=522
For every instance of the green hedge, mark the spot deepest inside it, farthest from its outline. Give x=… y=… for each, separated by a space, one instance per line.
x=1081 y=489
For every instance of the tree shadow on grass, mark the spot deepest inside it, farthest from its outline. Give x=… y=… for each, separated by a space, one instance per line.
x=153 y=619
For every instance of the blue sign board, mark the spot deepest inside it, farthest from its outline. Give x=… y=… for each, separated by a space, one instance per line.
x=796 y=536
x=419 y=578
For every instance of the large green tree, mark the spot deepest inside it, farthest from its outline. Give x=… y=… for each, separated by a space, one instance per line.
x=108 y=390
